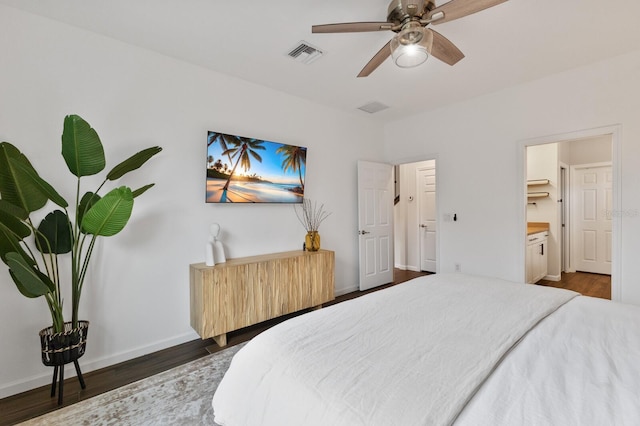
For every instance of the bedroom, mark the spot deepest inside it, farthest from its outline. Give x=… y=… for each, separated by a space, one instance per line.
x=134 y=96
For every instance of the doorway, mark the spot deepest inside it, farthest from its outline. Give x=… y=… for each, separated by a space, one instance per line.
x=573 y=236
x=397 y=220
x=415 y=212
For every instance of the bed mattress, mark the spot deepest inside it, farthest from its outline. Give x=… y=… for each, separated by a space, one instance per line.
x=439 y=350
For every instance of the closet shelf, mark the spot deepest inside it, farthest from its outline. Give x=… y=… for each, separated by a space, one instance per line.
x=537 y=194
x=534 y=182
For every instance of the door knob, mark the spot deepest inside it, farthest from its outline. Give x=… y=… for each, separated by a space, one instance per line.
x=363 y=232
x=423 y=226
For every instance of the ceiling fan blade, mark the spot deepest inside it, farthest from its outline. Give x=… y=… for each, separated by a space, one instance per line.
x=443 y=49
x=352 y=27
x=459 y=8
x=378 y=59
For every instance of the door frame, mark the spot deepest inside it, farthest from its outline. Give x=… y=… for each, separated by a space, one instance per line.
x=615 y=131
x=565 y=218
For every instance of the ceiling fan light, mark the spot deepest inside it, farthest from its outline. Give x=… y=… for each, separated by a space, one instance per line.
x=406 y=49
x=409 y=56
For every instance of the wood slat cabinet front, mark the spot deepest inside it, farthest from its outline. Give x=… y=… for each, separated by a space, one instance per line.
x=245 y=291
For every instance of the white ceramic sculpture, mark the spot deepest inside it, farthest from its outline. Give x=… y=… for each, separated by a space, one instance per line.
x=215 y=249
x=208 y=259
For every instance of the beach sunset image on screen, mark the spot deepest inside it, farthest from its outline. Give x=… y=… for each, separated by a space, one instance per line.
x=248 y=170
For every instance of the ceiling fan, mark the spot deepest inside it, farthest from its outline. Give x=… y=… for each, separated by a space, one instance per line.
x=413 y=42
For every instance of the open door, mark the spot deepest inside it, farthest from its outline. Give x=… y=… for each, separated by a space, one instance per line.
x=375 y=223
x=427 y=217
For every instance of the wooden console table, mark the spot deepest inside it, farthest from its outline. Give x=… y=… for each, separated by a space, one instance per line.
x=249 y=290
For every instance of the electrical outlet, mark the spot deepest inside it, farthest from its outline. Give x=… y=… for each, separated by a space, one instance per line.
x=457 y=267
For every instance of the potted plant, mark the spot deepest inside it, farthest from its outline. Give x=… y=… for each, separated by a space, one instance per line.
x=34 y=262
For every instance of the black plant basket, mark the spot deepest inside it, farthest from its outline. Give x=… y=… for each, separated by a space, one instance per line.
x=64 y=347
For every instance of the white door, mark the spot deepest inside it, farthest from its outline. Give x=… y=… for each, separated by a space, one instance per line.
x=592 y=231
x=375 y=223
x=427 y=217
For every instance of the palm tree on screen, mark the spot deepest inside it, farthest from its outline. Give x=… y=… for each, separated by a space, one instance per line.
x=294 y=158
x=244 y=151
x=225 y=142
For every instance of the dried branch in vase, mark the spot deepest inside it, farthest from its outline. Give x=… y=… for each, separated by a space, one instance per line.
x=310 y=214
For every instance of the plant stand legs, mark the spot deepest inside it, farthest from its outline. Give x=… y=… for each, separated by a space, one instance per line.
x=53 y=383
x=79 y=374
x=58 y=370
x=60 y=384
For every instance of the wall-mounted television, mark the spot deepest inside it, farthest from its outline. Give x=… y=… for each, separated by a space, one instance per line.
x=242 y=169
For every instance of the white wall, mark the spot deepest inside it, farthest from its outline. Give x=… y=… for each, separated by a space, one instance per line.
x=137 y=297
x=480 y=167
x=586 y=151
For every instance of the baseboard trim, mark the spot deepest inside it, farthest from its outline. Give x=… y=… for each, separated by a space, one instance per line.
x=37 y=381
x=343 y=291
x=408 y=268
x=552 y=277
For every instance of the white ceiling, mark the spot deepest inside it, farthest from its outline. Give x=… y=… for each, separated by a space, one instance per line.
x=512 y=43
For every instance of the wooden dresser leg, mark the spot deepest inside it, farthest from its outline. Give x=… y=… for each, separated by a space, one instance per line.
x=221 y=340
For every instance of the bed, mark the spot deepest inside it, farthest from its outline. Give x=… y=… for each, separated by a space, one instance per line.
x=438 y=350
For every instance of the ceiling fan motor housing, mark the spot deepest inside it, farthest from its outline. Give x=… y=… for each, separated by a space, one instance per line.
x=401 y=11
x=412 y=33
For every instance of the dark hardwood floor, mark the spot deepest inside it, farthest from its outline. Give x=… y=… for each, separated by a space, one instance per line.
x=587 y=284
x=33 y=403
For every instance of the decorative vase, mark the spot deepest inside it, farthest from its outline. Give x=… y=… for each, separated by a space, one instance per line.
x=312 y=241
x=63 y=348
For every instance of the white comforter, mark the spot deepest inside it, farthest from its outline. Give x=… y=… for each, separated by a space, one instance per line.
x=580 y=366
x=413 y=354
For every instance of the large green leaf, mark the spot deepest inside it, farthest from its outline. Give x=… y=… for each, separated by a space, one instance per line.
x=54 y=233
x=142 y=190
x=132 y=163
x=21 y=288
x=10 y=242
x=12 y=231
x=87 y=201
x=81 y=147
x=110 y=215
x=13 y=210
x=14 y=224
x=29 y=281
x=16 y=187
x=27 y=173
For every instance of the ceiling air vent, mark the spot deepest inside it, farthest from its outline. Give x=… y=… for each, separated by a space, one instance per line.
x=305 y=53
x=373 y=107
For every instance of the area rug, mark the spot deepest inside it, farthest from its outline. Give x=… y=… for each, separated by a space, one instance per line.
x=180 y=396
